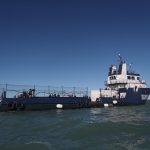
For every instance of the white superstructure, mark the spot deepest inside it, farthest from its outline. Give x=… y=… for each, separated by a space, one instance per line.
x=119 y=78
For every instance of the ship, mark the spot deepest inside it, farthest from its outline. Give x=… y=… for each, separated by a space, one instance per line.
x=124 y=87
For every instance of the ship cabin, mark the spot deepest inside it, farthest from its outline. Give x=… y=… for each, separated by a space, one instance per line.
x=123 y=78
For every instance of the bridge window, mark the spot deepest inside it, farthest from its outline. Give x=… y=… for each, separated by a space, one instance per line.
x=129 y=78
x=112 y=78
x=138 y=78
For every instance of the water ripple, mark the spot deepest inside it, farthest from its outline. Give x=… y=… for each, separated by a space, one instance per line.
x=118 y=128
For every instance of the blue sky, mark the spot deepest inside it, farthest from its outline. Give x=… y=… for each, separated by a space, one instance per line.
x=72 y=42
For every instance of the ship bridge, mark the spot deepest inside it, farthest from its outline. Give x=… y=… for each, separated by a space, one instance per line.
x=123 y=77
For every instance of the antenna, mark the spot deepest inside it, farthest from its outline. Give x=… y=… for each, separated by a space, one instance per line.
x=129 y=67
x=121 y=60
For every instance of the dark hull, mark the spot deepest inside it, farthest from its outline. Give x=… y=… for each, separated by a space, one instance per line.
x=132 y=97
x=46 y=103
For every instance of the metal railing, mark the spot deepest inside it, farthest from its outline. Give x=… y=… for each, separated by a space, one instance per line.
x=125 y=82
x=42 y=91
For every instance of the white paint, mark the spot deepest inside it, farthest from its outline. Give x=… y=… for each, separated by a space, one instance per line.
x=144 y=96
x=124 y=69
x=103 y=93
x=114 y=68
x=123 y=95
x=95 y=94
x=60 y=106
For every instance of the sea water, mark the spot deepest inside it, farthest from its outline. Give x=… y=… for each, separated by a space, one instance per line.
x=115 y=128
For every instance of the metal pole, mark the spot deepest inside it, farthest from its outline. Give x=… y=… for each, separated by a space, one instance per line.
x=74 y=91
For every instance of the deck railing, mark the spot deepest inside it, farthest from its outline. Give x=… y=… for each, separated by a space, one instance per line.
x=42 y=91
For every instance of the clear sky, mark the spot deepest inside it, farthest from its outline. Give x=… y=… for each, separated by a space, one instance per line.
x=72 y=42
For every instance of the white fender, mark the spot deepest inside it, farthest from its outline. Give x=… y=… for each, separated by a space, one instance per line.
x=59 y=106
x=106 y=105
x=115 y=102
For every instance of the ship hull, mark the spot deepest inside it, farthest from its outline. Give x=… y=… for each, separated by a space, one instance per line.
x=44 y=103
x=126 y=97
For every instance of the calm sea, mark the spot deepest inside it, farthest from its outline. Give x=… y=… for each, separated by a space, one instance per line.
x=116 y=128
